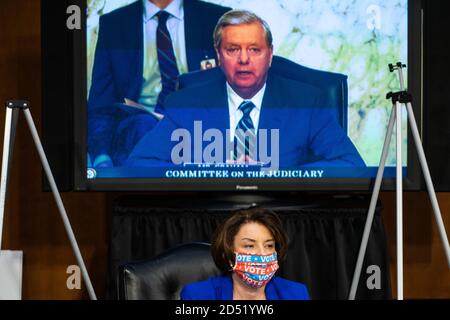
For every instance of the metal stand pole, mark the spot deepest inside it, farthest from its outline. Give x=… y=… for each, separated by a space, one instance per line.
x=12 y=108
x=398 y=100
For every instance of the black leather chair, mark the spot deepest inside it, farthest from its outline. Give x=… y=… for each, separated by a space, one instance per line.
x=333 y=85
x=163 y=277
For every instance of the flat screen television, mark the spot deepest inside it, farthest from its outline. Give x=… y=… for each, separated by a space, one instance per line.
x=354 y=41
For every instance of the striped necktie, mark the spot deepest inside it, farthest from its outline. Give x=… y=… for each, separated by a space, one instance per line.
x=166 y=59
x=245 y=135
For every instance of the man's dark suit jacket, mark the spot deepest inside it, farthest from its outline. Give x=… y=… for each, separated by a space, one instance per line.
x=309 y=134
x=118 y=65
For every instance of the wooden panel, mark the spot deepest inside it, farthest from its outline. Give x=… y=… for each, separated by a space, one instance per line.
x=32 y=221
x=426 y=273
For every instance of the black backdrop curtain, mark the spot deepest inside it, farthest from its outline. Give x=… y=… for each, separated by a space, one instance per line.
x=324 y=237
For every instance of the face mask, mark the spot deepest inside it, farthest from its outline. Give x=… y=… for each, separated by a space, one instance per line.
x=255 y=270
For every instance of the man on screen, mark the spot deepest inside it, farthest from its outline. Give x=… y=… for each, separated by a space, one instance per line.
x=248 y=96
x=141 y=50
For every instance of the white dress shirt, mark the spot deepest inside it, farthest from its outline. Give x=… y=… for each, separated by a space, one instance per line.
x=234 y=101
x=175 y=24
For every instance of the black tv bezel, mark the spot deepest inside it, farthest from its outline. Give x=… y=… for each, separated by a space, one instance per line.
x=412 y=180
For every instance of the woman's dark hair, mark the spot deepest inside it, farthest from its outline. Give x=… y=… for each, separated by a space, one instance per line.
x=222 y=243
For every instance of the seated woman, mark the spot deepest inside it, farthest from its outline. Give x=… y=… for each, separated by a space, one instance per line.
x=247 y=247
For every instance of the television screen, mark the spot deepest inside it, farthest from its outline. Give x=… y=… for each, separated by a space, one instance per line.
x=294 y=100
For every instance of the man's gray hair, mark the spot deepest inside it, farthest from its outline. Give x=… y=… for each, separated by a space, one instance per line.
x=239 y=17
